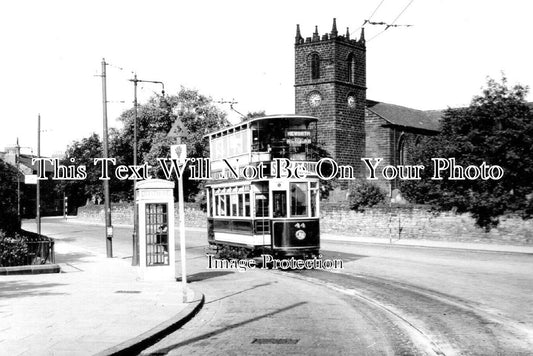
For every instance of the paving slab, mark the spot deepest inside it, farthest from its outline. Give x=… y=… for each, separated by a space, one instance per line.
x=94 y=304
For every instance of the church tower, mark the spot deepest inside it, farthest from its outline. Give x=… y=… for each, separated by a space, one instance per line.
x=330 y=83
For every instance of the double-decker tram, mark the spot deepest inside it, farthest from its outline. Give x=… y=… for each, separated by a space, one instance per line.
x=264 y=197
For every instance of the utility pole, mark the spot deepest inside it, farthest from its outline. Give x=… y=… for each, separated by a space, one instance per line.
x=135 y=235
x=107 y=203
x=18 y=183
x=38 y=195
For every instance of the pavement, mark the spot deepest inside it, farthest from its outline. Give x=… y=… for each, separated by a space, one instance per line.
x=96 y=305
x=424 y=243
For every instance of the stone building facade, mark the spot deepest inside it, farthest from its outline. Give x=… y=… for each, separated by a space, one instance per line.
x=330 y=83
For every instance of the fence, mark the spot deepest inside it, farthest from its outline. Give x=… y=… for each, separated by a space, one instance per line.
x=40 y=252
x=26 y=248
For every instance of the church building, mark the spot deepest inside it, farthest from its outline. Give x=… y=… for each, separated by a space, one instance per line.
x=330 y=83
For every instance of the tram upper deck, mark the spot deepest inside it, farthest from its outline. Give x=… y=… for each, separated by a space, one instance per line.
x=264 y=139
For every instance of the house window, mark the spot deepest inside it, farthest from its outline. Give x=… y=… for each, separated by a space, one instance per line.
x=315 y=66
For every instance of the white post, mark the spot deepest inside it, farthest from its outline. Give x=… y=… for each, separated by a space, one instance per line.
x=179 y=152
x=182 y=239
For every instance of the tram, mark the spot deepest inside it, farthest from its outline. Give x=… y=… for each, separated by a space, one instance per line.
x=268 y=213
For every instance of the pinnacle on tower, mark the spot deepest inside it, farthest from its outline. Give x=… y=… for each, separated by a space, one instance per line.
x=298 y=37
x=362 y=38
x=348 y=33
x=334 y=28
x=316 y=37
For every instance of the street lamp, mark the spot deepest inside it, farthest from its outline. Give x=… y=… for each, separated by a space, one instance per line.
x=135 y=236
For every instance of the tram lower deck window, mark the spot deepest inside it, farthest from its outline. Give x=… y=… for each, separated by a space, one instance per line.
x=261 y=205
x=236 y=203
x=299 y=204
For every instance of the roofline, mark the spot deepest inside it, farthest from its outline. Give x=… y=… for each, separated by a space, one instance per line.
x=268 y=117
x=398 y=125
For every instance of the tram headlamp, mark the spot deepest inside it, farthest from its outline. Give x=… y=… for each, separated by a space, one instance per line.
x=300 y=234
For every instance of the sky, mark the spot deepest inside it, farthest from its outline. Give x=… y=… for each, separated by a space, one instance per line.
x=241 y=51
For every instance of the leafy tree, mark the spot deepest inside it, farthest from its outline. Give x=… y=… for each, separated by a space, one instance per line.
x=83 y=152
x=253 y=114
x=497 y=128
x=8 y=198
x=154 y=122
x=198 y=116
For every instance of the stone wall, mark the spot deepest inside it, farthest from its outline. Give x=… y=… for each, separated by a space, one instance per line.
x=418 y=223
x=397 y=223
x=122 y=214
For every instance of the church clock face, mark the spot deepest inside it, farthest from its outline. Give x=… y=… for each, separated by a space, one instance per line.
x=314 y=99
x=351 y=101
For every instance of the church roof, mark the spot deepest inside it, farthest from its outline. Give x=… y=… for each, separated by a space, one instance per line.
x=406 y=117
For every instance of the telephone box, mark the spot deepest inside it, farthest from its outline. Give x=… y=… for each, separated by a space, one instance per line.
x=155 y=204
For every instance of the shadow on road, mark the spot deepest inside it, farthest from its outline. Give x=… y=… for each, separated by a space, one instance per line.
x=201 y=276
x=16 y=289
x=166 y=350
x=71 y=257
x=239 y=292
x=345 y=257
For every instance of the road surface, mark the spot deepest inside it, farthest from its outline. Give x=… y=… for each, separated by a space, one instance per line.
x=386 y=300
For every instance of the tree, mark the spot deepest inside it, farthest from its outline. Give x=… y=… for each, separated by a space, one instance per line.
x=8 y=198
x=81 y=153
x=154 y=121
x=199 y=116
x=497 y=128
x=253 y=115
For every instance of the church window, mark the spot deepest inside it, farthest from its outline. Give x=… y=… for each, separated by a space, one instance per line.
x=315 y=66
x=402 y=150
x=351 y=68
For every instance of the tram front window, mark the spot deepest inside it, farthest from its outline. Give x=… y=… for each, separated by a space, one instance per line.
x=298 y=199
x=261 y=205
x=280 y=204
x=314 y=198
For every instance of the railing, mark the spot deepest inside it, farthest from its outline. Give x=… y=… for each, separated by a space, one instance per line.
x=28 y=249
x=40 y=252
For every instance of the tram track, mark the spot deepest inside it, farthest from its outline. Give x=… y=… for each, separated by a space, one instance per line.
x=438 y=324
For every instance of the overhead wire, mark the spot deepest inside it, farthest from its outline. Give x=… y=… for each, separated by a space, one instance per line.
x=392 y=24
x=369 y=18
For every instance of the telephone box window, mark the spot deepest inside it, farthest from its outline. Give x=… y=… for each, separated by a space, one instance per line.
x=157 y=234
